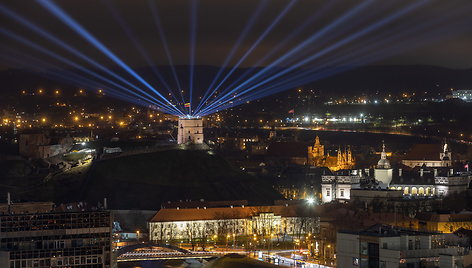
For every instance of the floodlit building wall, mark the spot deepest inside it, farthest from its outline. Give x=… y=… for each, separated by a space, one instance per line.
x=190 y=131
x=347 y=251
x=265 y=224
x=401 y=250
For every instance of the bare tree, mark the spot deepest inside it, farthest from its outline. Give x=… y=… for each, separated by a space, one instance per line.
x=192 y=229
x=206 y=230
x=170 y=230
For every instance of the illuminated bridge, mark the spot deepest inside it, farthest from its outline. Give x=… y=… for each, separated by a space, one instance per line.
x=146 y=252
x=154 y=252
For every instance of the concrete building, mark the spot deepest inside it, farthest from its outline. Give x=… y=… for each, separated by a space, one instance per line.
x=431 y=181
x=444 y=222
x=338 y=186
x=368 y=195
x=463 y=94
x=235 y=221
x=41 y=145
x=190 y=131
x=429 y=155
x=32 y=235
x=417 y=182
x=388 y=247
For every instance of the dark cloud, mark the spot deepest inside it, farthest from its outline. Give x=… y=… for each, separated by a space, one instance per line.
x=220 y=23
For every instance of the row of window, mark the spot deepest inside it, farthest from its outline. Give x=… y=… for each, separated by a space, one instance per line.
x=14 y=223
x=35 y=254
x=341 y=192
x=90 y=261
x=54 y=244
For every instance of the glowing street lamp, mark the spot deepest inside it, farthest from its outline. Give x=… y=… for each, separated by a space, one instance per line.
x=310 y=201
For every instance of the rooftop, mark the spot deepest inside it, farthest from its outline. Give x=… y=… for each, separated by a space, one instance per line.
x=240 y=212
x=424 y=152
x=382 y=230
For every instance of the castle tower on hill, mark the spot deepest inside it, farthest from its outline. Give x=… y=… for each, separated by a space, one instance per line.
x=190 y=131
x=317 y=157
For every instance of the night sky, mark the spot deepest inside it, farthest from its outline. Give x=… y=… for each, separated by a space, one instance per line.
x=219 y=24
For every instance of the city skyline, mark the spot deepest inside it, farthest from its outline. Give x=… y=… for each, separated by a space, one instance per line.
x=250 y=133
x=332 y=39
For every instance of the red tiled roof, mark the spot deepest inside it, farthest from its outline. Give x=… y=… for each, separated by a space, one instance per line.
x=201 y=204
x=188 y=214
x=424 y=152
x=288 y=149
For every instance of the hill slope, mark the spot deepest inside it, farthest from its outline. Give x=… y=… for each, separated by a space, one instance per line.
x=145 y=181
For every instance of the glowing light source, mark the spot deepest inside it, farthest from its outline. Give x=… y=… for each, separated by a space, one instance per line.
x=367 y=36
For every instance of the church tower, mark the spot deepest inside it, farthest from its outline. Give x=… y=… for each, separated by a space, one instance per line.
x=383 y=171
x=190 y=130
x=339 y=162
x=445 y=155
x=318 y=149
x=349 y=155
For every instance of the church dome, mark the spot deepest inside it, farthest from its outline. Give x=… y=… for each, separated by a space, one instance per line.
x=383 y=163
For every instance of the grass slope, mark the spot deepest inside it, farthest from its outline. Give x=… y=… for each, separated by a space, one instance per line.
x=144 y=181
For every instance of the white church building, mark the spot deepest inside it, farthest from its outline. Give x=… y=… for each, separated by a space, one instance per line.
x=417 y=182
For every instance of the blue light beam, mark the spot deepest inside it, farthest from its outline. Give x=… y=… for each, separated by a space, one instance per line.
x=69 y=48
x=116 y=15
x=255 y=44
x=338 y=44
x=229 y=57
x=75 y=26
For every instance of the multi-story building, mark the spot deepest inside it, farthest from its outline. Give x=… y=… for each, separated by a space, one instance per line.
x=444 y=222
x=417 y=182
x=203 y=222
x=386 y=246
x=429 y=155
x=41 y=145
x=33 y=236
x=421 y=182
x=338 y=186
x=463 y=94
